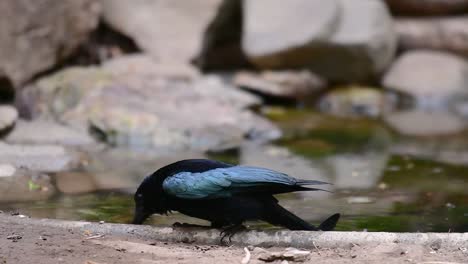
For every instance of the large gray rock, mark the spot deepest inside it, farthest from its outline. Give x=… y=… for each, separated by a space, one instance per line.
x=46 y=158
x=340 y=40
x=428 y=7
x=169 y=30
x=46 y=132
x=144 y=109
x=439 y=33
x=432 y=77
x=271 y=28
x=35 y=35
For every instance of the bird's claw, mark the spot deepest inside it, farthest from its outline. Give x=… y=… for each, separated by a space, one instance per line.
x=230 y=231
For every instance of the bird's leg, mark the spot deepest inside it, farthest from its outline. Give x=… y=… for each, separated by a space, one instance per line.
x=230 y=231
x=177 y=224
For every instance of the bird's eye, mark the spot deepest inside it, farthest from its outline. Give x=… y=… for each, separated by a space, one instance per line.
x=139 y=197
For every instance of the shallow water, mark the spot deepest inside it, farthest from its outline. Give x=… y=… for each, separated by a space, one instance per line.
x=381 y=181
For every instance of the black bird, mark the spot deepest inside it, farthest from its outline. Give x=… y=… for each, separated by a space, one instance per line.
x=224 y=194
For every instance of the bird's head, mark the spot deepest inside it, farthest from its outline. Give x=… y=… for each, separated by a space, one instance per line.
x=149 y=199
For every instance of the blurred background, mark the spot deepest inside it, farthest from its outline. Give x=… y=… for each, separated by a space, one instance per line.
x=370 y=95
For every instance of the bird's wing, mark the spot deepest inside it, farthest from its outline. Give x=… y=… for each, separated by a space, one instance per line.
x=224 y=182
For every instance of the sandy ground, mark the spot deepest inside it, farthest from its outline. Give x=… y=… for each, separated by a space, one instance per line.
x=23 y=243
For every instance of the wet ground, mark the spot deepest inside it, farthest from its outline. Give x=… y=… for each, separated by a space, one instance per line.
x=381 y=181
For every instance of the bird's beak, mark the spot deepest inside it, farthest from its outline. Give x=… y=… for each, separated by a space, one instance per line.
x=140 y=215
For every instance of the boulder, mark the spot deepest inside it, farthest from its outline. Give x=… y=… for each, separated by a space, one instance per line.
x=170 y=31
x=427 y=7
x=36 y=35
x=286 y=84
x=340 y=40
x=45 y=158
x=8 y=116
x=144 y=109
x=438 y=33
x=47 y=132
x=432 y=77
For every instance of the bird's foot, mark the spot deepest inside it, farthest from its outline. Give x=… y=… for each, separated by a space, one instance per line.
x=230 y=231
x=177 y=224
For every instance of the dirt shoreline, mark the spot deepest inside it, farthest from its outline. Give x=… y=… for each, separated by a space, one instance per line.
x=24 y=240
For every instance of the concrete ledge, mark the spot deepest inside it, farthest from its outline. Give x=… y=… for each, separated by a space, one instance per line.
x=298 y=239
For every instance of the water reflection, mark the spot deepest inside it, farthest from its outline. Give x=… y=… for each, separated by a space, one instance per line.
x=357 y=171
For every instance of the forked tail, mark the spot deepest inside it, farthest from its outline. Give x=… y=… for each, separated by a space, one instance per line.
x=277 y=215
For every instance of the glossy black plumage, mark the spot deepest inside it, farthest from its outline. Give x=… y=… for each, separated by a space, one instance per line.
x=224 y=194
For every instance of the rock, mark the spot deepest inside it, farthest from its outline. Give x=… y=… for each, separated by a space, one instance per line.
x=268 y=26
x=428 y=7
x=287 y=84
x=46 y=158
x=147 y=109
x=44 y=132
x=441 y=33
x=439 y=76
x=25 y=185
x=438 y=86
x=420 y=122
x=170 y=31
x=142 y=64
x=358 y=36
x=36 y=35
x=7 y=170
x=353 y=101
x=53 y=95
x=290 y=254
x=8 y=116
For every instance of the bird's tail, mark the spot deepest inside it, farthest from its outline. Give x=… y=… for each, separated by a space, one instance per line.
x=277 y=215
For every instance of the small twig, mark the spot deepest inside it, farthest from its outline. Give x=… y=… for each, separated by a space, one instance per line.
x=95 y=236
x=315 y=246
x=246 y=259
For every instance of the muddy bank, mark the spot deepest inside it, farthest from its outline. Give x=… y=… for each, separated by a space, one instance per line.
x=26 y=240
